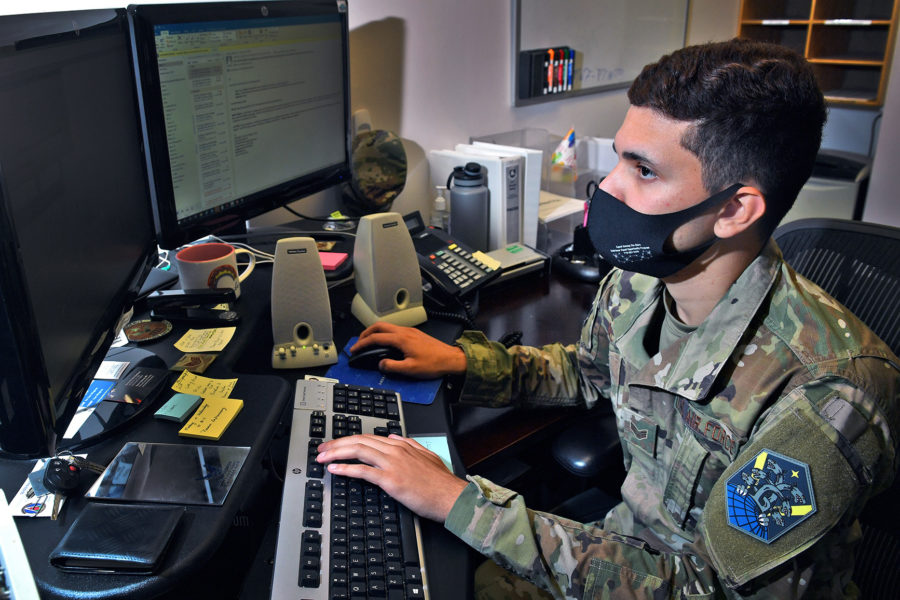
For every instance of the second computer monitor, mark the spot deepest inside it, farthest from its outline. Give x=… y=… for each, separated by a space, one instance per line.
x=245 y=108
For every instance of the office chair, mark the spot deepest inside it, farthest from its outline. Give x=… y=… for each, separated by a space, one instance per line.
x=859 y=265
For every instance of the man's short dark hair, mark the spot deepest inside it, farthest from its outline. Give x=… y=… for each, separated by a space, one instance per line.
x=758 y=112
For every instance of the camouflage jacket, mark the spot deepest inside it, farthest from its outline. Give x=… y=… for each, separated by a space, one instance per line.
x=722 y=434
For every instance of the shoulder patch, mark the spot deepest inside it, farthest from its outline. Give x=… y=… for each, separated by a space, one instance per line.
x=769 y=495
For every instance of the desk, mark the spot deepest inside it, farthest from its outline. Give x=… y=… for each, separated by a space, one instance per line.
x=192 y=565
x=262 y=425
x=548 y=310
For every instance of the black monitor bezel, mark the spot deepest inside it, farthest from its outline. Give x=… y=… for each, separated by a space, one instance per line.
x=38 y=431
x=171 y=233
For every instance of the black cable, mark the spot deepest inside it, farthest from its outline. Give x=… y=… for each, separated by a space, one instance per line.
x=513 y=338
x=302 y=216
x=276 y=232
x=447 y=315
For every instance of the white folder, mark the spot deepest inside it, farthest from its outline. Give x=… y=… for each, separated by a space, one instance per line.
x=529 y=183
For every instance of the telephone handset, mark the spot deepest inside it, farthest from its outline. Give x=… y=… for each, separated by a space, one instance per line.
x=448 y=267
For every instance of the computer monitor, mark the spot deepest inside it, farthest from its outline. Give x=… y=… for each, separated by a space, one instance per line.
x=76 y=230
x=245 y=108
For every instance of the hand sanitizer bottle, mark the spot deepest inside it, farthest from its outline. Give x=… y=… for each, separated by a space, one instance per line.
x=439 y=213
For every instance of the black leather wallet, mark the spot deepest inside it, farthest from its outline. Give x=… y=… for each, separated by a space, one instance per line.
x=117 y=538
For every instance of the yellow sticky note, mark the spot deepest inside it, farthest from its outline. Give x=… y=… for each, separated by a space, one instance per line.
x=205 y=340
x=205 y=387
x=489 y=261
x=212 y=418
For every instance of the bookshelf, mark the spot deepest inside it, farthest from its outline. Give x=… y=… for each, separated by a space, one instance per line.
x=848 y=42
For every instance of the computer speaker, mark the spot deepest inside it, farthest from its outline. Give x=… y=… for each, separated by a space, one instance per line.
x=301 y=311
x=388 y=283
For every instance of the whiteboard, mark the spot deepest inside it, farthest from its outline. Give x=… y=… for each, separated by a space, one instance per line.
x=612 y=39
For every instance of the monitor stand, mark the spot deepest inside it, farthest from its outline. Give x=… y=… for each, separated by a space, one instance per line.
x=110 y=417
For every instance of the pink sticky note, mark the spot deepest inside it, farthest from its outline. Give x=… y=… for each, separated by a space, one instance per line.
x=332 y=260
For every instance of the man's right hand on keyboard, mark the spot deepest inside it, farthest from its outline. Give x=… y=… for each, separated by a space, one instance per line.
x=407 y=471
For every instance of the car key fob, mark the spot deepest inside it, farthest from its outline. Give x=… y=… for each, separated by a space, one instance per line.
x=61 y=476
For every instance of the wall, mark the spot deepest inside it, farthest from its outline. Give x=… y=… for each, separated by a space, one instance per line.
x=440 y=72
x=882 y=205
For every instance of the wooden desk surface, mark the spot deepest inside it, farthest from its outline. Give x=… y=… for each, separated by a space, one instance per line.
x=546 y=310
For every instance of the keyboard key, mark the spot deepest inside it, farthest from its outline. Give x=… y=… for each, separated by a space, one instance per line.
x=340 y=592
x=309 y=578
x=312 y=520
x=377 y=588
x=310 y=563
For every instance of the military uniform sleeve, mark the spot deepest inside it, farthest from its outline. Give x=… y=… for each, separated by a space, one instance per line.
x=796 y=488
x=569 y=559
x=521 y=375
x=552 y=375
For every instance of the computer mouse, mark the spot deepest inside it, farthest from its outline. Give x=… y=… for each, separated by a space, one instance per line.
x=368 y=358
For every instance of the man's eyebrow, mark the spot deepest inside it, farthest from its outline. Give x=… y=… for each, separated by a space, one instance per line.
x=633 y=156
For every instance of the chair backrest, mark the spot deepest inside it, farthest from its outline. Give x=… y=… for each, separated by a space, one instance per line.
x=857 y=263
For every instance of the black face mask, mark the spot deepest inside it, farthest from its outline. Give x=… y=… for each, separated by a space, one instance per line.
x=636 y=242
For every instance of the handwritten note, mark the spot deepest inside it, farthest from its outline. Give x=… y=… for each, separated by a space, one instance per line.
x=212 y=418
x=205 y=340
x=205 y=387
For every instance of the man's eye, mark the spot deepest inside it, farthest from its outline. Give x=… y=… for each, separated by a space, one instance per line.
x=645 y=172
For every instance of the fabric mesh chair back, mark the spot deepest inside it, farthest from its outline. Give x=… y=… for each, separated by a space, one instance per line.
x=856 y=263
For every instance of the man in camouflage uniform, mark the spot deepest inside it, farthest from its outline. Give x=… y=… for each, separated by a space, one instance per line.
x=756 y=414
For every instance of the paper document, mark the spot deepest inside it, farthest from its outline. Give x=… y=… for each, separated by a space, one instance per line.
x=205 y=340
x=212 y=418
x=438 y=444
x=553 y=206
x=205 y=387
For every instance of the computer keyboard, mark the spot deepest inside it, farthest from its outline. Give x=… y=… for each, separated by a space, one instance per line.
x=340 y=537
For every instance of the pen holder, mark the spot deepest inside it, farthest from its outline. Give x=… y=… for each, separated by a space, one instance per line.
x=581 y=243
x=579 y=260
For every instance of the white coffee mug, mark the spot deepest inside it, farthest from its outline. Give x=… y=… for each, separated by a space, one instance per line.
x=212 y=265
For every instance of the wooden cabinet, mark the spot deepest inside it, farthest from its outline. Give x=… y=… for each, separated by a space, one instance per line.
x=848 y=42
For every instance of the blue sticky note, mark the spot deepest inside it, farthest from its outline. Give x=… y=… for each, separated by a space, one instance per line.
x=96 y=392
x=417 y=391
x=178 y=408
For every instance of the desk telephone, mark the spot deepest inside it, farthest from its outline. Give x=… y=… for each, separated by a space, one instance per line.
x=450 y=271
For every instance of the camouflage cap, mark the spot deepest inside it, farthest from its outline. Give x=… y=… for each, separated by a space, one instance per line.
x=378 y=168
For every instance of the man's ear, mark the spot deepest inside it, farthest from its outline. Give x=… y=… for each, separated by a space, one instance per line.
x=739 y=214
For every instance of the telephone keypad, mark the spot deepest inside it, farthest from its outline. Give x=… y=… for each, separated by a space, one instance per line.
x=460 y=266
